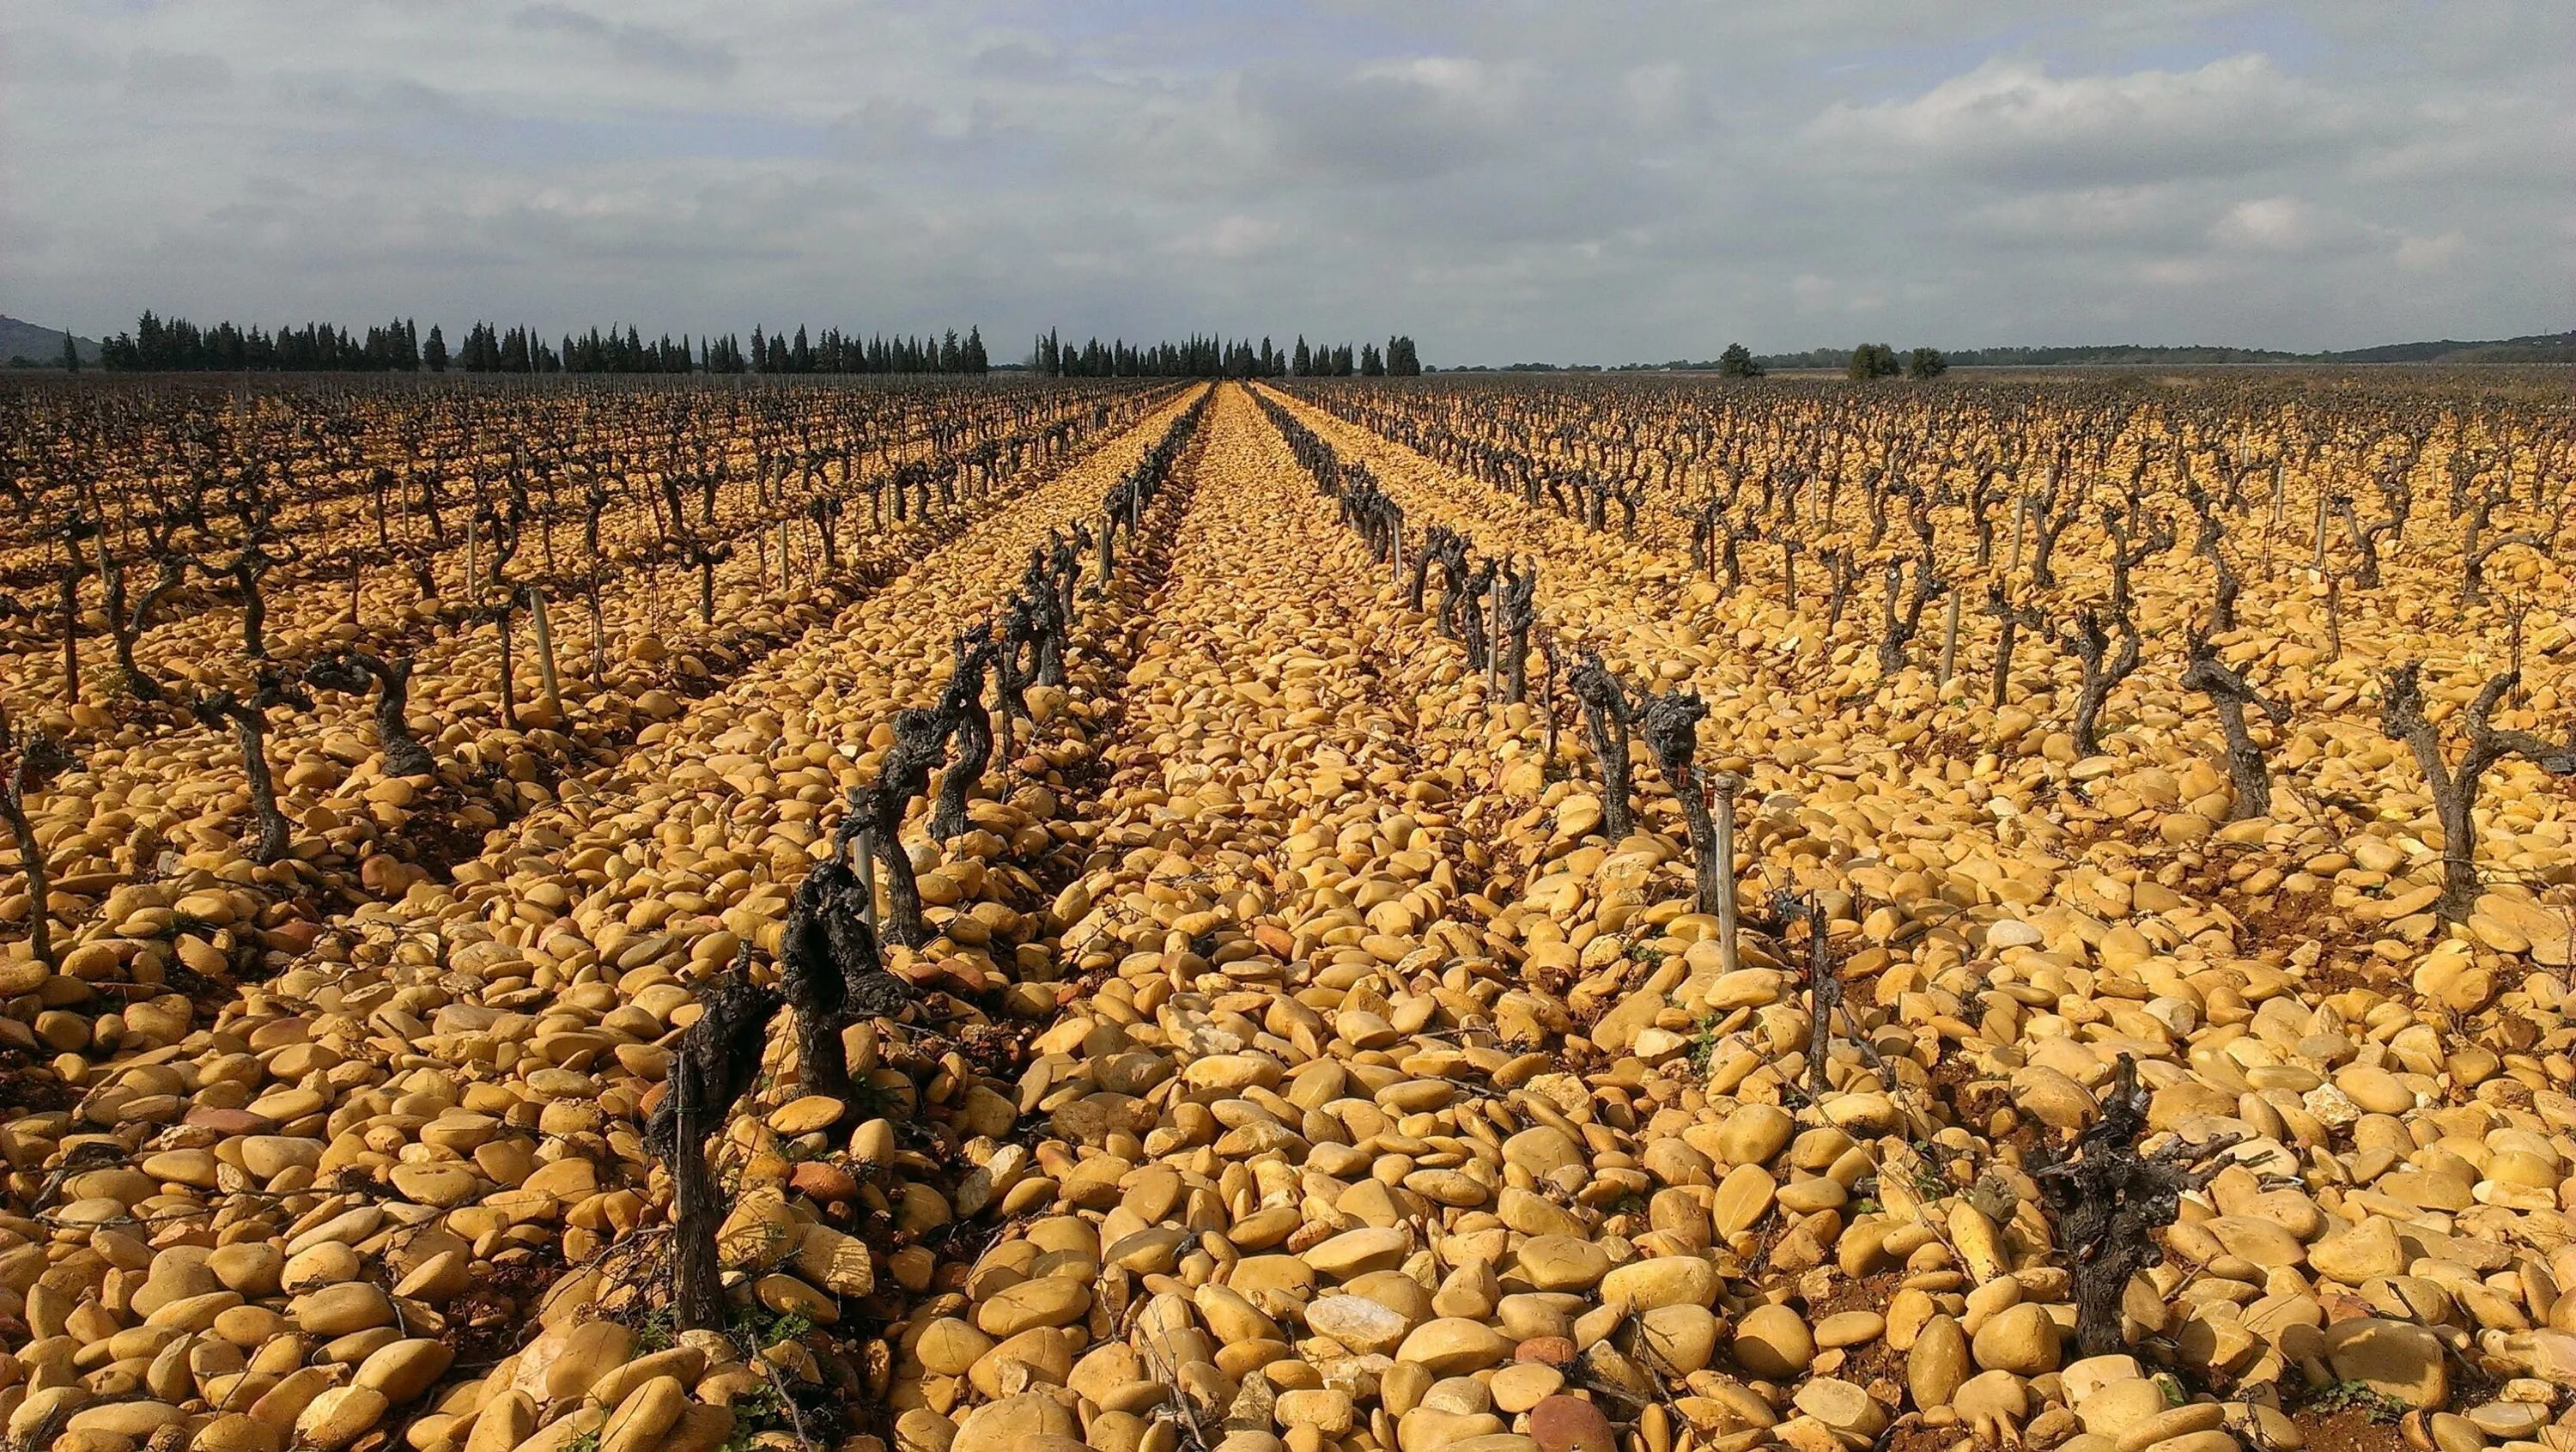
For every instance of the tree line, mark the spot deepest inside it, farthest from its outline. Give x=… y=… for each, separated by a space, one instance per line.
x=175 y=345
x=1215 y=357
x=179 y=346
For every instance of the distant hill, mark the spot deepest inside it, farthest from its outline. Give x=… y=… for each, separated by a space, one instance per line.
x=2534 y=348
x=40 y=346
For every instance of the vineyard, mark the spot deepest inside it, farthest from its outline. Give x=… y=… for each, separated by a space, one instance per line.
x=1621 y=914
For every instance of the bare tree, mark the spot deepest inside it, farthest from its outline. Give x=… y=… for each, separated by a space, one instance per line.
x=1670 y=724
x=250 y=729
x=2010 y=621
x=961 y=709
x=260 y=549
x=829 y=969
x=2105 y=668
x=1896 y=632
x=2476 y=549
x=2207 y=545
x=2130 y=550
x=2051 y=510
x=1842 y=572
x=29 y=767
x=920 y=740
x=2399 y=500
x=1519 y=610
x=2455 y=788
x=2110 y=1200
x=2229 y=694
x=717 y=1059
x=1607 y=714
x=352 y=670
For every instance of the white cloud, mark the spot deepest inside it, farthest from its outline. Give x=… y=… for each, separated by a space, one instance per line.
x=1230 y=238
x=2010 y=119
x=2432 y=254
x=2270 y=224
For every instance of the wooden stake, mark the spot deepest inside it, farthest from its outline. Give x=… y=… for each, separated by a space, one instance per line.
x=1950 y=638
x=545 y=653
x=1721 y=790
x=868 y=868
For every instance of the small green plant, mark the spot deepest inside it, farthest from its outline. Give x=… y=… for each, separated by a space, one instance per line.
x=794 y=1326
x=1703 y=1049
x=2354 y=1396
x=756 y=1327
x=866 y=1101
x=1864 y=1195
x=586 y=1442
x=658 y=1331
x=756 y=1411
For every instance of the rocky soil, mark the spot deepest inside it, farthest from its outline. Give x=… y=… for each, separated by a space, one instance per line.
x=1293 y=1058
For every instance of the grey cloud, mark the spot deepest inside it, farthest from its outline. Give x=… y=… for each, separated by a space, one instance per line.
x=1398 y=122
x=1502 y=182
x=161 y=76
x=631 y=42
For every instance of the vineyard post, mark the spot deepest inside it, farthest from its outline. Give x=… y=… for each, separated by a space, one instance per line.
x=1495 y=641
x=868 y=869
x=1107 y=520
x=2320 y=565
x=545 y=652
x=1720 y=790
x=509 y=676
x=783 y=582
x=687 y=1190
x=1398 y=573
x=1949 y=639
x=2021 y=523
x=68 y=586
x=471 y=582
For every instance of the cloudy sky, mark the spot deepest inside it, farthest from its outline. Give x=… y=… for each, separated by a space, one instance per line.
x=1594 y=182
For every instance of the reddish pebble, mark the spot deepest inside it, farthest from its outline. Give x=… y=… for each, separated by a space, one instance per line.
x=1571 y=1424
x=295 y=937
x=1548 y=1350
x=824 y=1182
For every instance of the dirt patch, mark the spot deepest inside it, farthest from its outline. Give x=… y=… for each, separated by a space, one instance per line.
x=431 y=831
x=2344 y=957
x=2348 y=1430
x=495 y=1316
x=1869 y=1293
x=1911 y=1435
x=29 y=1088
